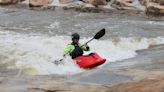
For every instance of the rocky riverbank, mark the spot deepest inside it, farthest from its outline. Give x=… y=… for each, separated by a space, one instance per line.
x=149 y=7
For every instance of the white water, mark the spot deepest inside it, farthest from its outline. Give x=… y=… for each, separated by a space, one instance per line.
x=135 y=3
x=34 y=53
x=55 y=2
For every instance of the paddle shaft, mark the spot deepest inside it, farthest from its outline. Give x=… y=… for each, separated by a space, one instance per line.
x=87 y=42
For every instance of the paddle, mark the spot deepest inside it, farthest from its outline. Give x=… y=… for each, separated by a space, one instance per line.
x=97 y=36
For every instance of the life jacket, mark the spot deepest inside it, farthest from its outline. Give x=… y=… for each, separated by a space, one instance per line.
x=78 y=51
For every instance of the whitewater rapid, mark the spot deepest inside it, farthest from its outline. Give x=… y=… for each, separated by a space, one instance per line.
x=34 y=53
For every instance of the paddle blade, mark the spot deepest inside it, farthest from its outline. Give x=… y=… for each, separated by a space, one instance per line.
x=59 y=62
x=100 y=34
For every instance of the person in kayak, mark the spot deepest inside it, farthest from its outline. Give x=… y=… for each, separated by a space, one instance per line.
x=75 y=49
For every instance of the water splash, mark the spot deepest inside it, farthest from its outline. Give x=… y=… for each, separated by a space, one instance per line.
x=137 y=4
x=34 y=53
x=55 y=2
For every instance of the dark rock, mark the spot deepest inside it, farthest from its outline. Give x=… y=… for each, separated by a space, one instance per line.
x=154 y=9
x=8 y=2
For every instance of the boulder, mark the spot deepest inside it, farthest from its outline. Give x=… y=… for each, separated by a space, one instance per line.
x=143 y=2
x=154 y=9
x=25 y=2
x=161 y=2
x=96 y=2
x=128 y=1
x=38 y=3
x=123 y=4
x=145 y=85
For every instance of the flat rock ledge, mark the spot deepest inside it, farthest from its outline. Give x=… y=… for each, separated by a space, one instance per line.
x=50 y=83
x=34 y=84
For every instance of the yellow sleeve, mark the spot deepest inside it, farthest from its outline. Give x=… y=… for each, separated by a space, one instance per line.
x=68 y=49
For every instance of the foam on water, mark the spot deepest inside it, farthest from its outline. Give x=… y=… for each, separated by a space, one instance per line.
x=34 y=53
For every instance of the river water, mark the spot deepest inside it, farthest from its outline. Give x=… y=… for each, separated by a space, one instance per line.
x=31 y=40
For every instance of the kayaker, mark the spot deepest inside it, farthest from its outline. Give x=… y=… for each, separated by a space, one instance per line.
x=75 y=49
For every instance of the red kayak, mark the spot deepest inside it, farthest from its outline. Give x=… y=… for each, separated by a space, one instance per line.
x=89 y=61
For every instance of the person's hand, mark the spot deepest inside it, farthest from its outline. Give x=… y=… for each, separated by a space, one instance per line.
x=86 y=45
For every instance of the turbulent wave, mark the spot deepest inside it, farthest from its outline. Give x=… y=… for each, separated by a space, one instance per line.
x=34 y=53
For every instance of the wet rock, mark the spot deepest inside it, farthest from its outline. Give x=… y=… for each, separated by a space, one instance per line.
x=69 y=87
x=39 y=3
x=123 y=4
x=143 y=2
x=128 y=1
x=96 y=2
x=151 y=85
x=7 y=2
x=1 y=79
x=161 y=2
x=46 y=84
x=25 y=2
x=154 y=9
x=66 y=1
